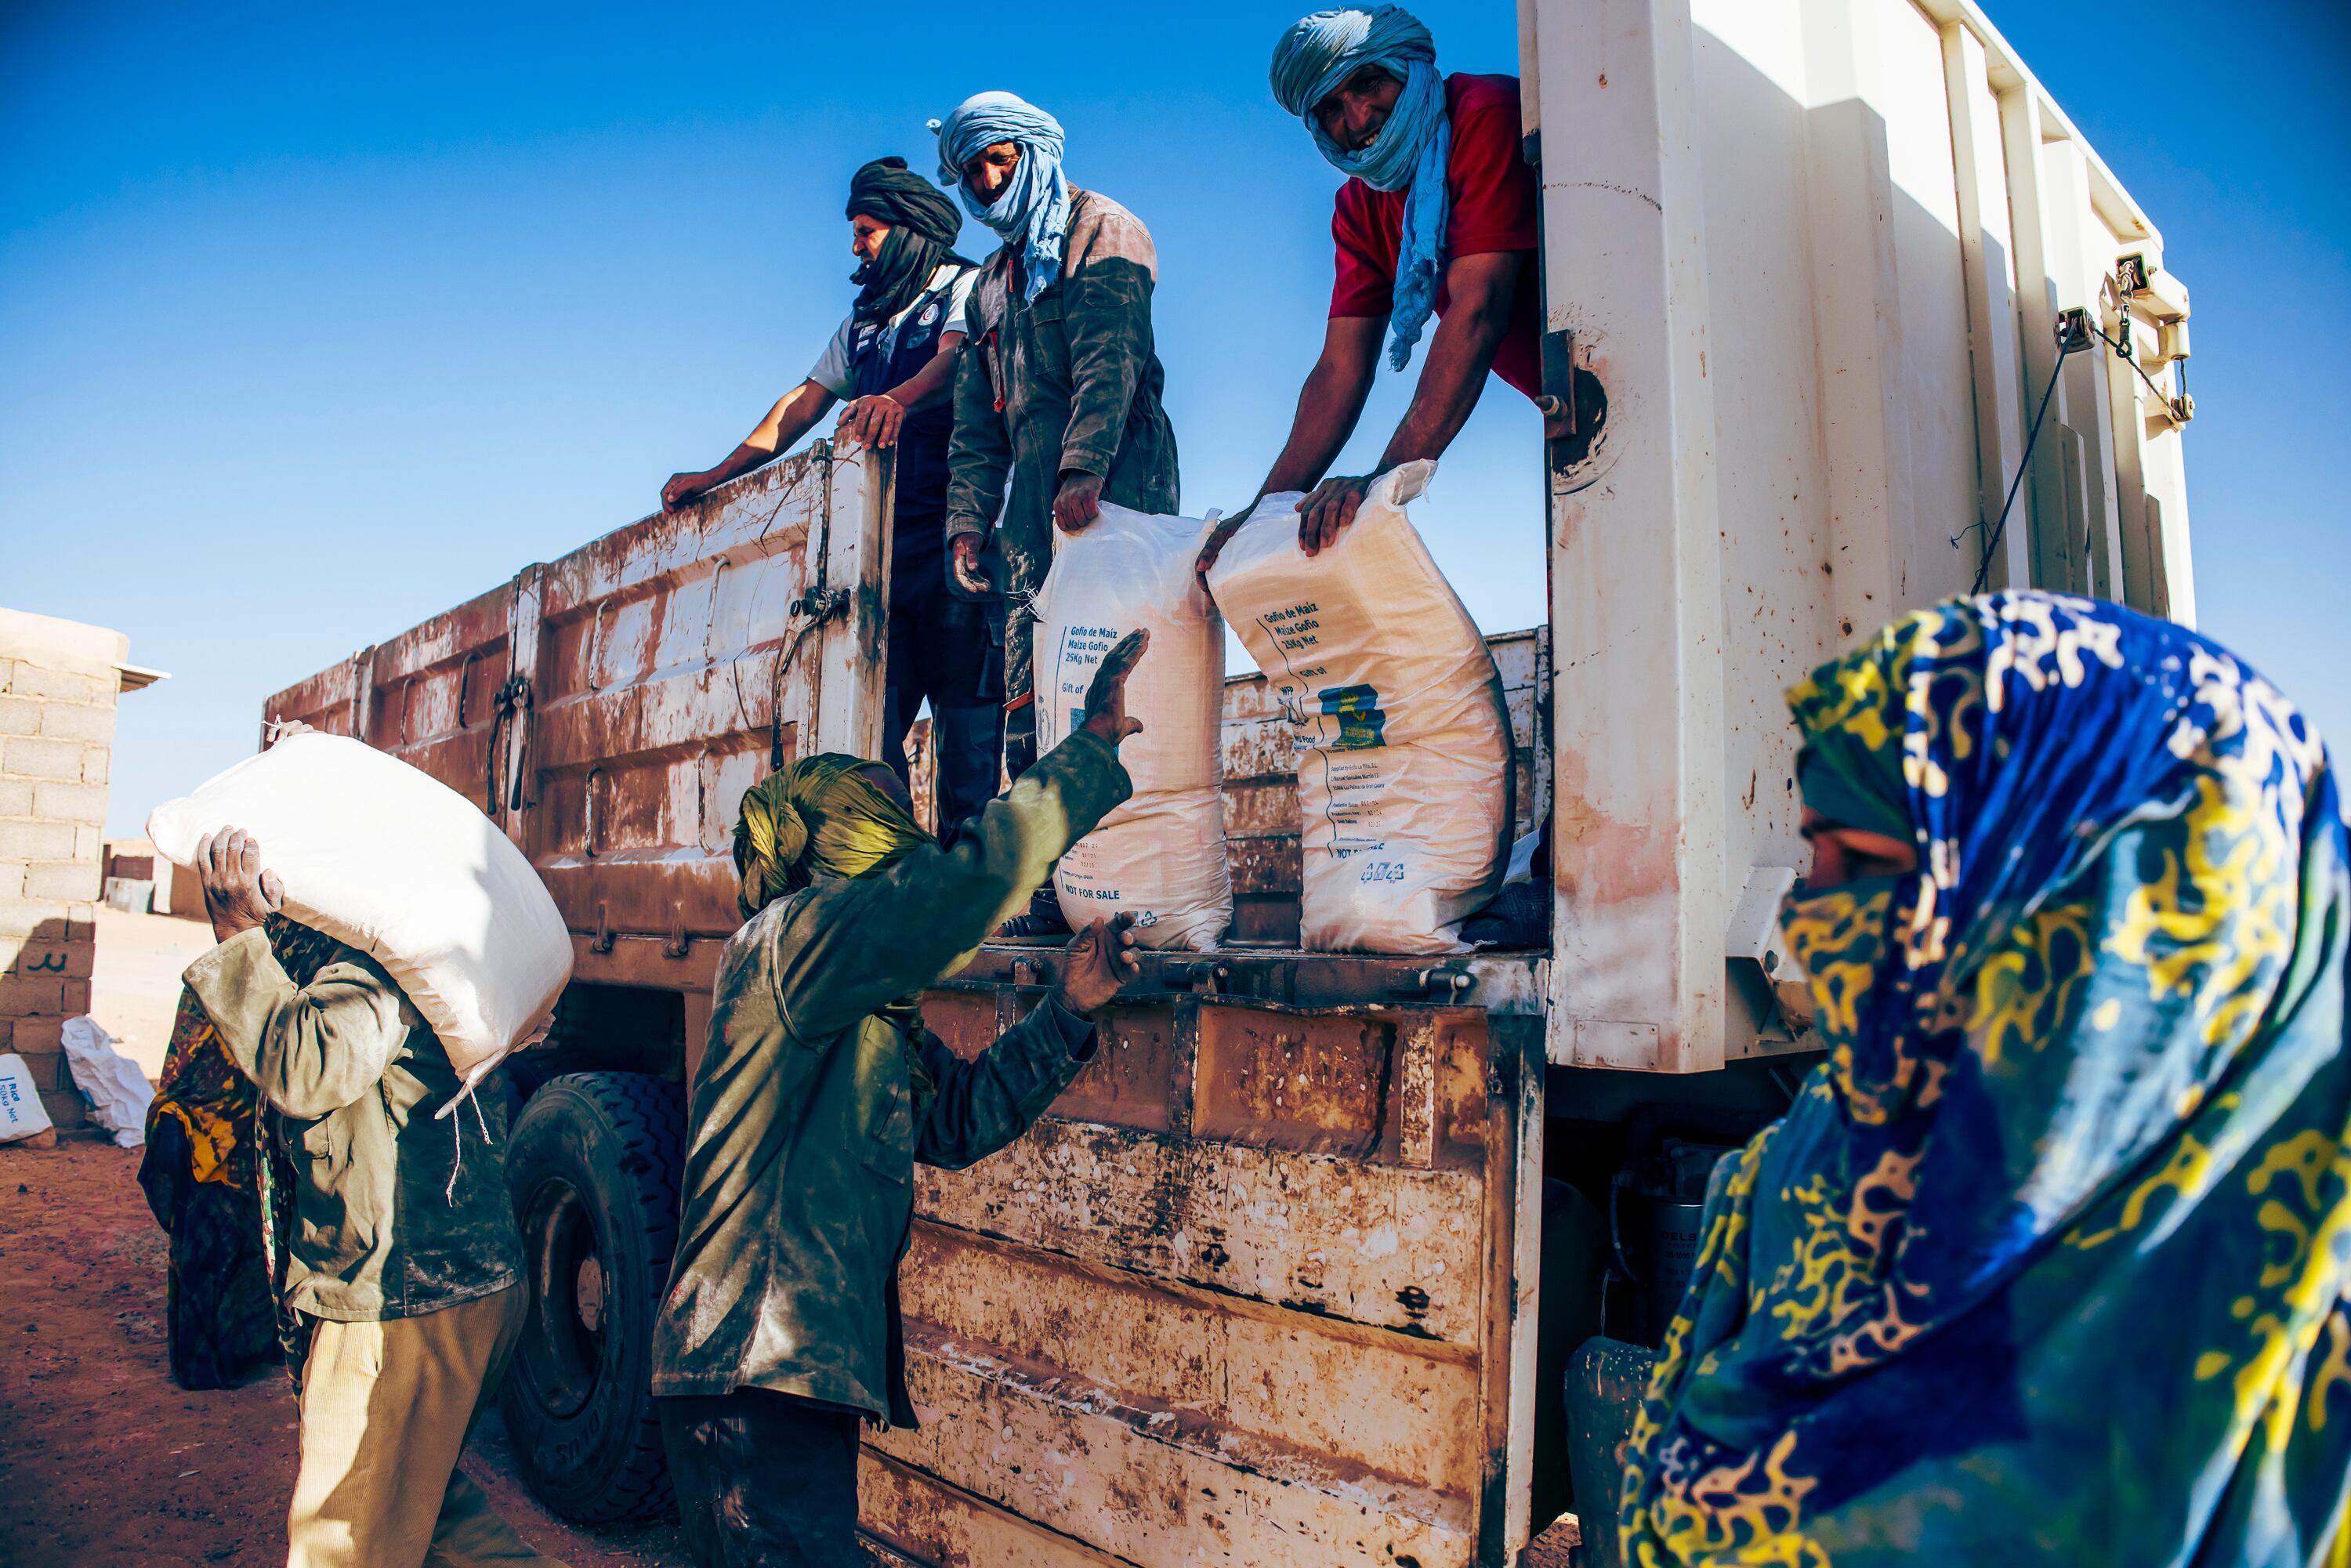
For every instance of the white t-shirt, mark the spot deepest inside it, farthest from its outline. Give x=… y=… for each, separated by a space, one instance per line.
x=831 y=371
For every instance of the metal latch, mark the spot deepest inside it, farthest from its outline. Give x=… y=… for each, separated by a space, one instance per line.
x=1032 y=972
x=819 y=603
x=1205 y=976
x=1754 y=938
x=1437 y=983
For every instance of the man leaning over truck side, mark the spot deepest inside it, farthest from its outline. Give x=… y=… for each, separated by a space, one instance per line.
x=1061 y=394
x=781 y=1334
x=893 y=358
x=400 y=1267
x=1438 y=216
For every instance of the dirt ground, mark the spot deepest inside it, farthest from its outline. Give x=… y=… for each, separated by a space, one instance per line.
x=104 y=1461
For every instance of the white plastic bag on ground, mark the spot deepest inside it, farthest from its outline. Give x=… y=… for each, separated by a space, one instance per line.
x=118 y=1092
x=1159 y=857
x=21 y=1112
x=1396 y=711
x=378 y=854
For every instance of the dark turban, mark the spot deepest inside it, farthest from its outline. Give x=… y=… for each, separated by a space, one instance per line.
x=924 y=222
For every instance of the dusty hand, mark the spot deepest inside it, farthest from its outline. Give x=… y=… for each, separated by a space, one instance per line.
x=1078 y=502
x=1217 y=540
x=239 y=894
x=872 y=421
x=1097 y=962
x=1330 y=507
x=968 y=575
x=1106 y=697
x=681 y=489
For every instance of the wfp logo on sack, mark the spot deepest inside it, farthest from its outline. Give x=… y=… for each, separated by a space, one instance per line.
x=1362 y=725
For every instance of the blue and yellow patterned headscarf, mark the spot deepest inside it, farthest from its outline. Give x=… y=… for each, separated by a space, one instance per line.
x=2046 y=1263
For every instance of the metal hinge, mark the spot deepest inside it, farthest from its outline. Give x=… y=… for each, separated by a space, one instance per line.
x=1205 y=976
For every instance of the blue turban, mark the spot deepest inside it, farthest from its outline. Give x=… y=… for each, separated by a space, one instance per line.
x=1309 y=63
x=1037 y=201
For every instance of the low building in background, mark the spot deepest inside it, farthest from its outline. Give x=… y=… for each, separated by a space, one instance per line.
x=59 y=681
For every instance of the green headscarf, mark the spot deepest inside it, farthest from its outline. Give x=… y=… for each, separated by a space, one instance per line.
x=822 y=816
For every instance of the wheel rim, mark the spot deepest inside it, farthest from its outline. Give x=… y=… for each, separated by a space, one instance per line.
x=562 y=1352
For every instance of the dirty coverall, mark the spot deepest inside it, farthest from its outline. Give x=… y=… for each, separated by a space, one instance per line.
x=1066 y=382
x=402 y=1272
x=780 y=1333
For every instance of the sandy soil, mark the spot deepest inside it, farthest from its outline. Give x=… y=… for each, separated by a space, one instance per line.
x=103 y=1460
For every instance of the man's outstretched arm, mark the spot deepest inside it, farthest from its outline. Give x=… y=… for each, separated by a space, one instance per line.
x=794 y=415
x=1480 y=289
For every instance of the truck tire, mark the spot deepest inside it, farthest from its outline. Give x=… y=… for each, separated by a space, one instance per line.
x=594 y=1169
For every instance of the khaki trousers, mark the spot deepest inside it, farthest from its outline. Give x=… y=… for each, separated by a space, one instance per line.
x=385 y=1410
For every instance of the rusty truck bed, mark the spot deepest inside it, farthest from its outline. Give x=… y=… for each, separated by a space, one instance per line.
x=1249 y=1293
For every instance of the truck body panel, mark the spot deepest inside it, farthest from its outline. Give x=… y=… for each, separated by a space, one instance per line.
x=1803 y=260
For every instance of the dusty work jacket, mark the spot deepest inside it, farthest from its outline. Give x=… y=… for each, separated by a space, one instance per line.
x=1069 y=381
x=391 y=1218
x=803 y=1133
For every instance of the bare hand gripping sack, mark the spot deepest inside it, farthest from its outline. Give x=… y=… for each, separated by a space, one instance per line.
x=1396 y=714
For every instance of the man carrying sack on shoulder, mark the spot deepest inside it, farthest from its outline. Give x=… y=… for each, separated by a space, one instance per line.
x=396 y=1265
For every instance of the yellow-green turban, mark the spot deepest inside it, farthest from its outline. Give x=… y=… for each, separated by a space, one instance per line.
x=820 y=817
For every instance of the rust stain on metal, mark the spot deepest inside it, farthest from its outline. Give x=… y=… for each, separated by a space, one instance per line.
x=1264 y=1225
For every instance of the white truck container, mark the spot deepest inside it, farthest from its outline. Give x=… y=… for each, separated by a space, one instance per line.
x=1263 y=1287
x=1815 y=254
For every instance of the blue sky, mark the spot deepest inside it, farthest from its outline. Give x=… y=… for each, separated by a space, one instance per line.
x=314 y=323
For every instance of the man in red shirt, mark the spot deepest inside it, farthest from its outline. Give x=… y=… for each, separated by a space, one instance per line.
x=1463 y=245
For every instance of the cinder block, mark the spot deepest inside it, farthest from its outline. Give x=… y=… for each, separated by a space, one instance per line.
x=92 y=722
x=35 y=681
x=70 y=802
x=39 y=1034
x=28 y=996
x=95 y=763
x=33 y=757
x=48 y=1068
x=37 y=841
x=19 y=716
x=12 y=880
x=90 y=844
x=54 y=881
x=65 y=1108
x=73 y=996
x=7 y=673
x=43 y=917
x=15 y=796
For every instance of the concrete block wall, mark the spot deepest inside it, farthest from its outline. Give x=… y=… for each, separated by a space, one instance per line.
x=58 y=683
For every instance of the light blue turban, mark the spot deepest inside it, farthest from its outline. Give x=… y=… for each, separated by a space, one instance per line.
x=1309 y=63
x=1037 y=201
